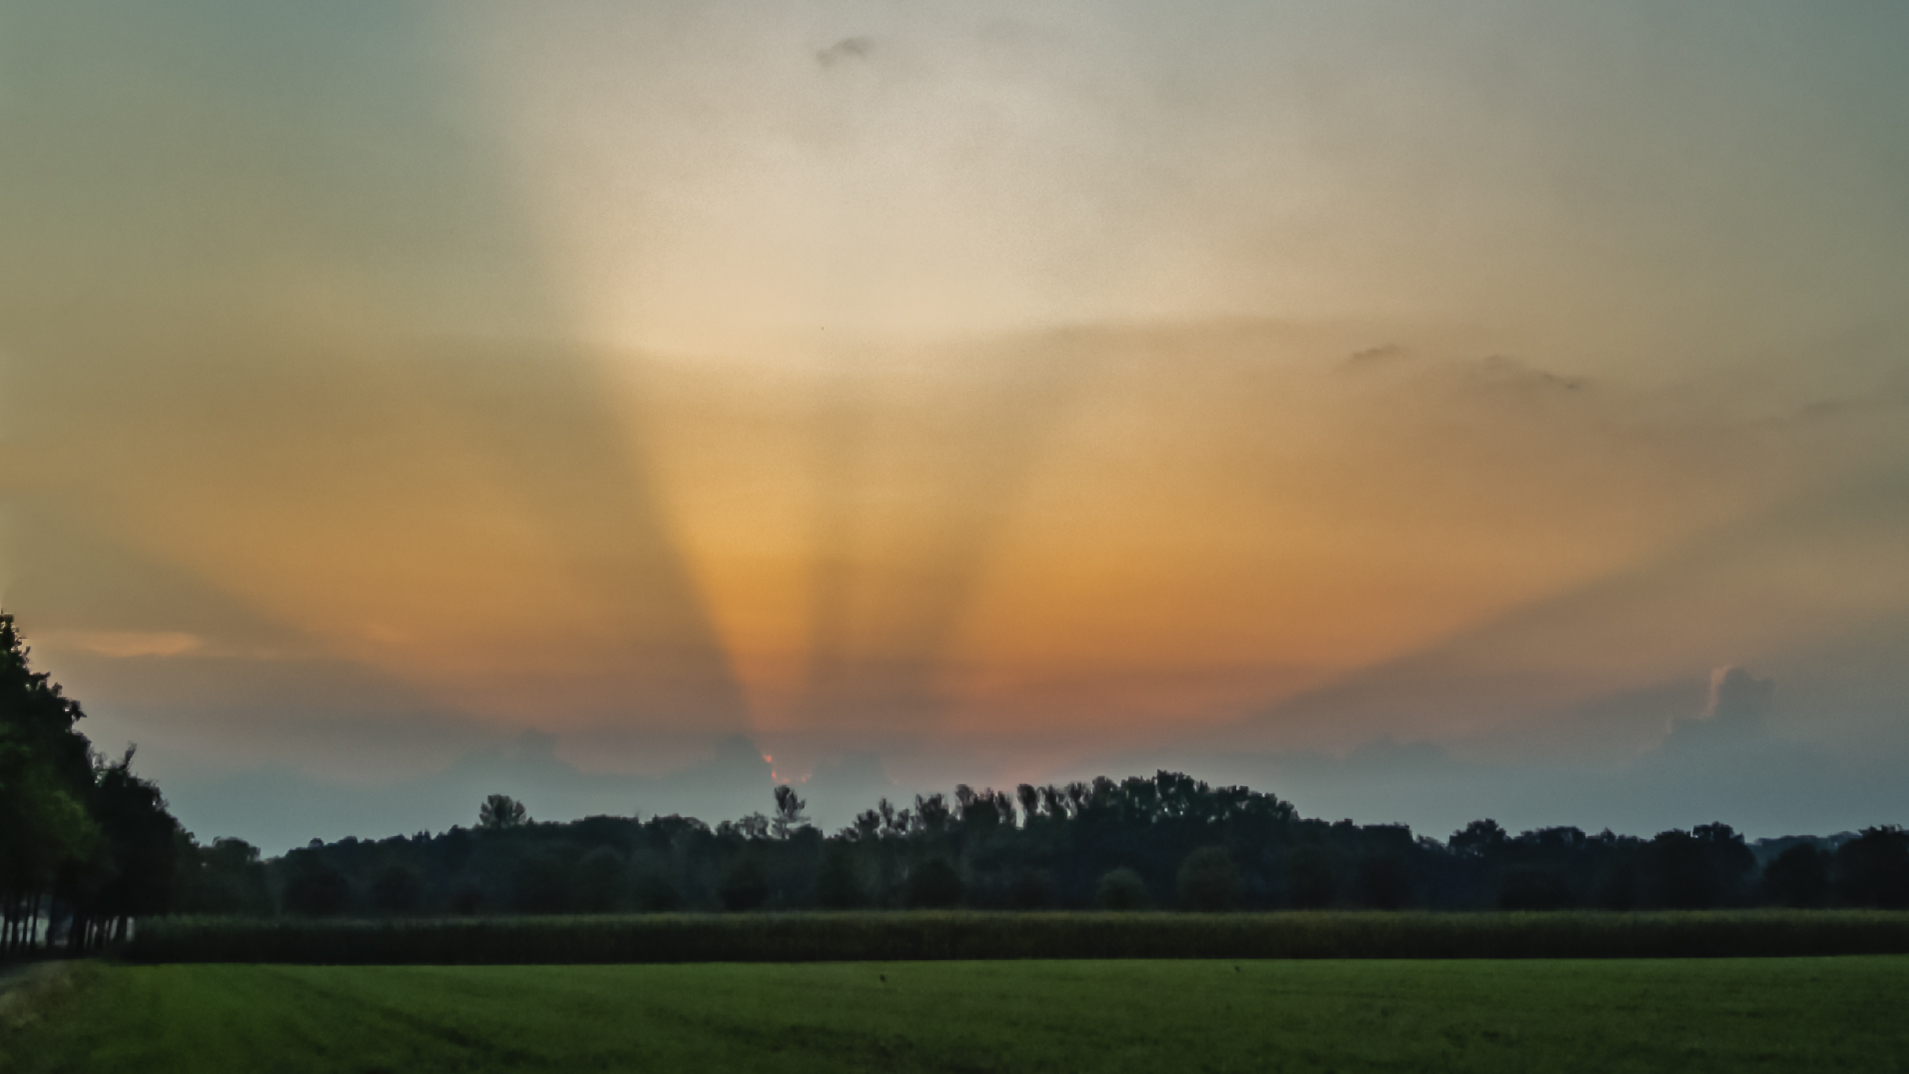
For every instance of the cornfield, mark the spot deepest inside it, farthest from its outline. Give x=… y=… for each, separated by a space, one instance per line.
x=876 y=936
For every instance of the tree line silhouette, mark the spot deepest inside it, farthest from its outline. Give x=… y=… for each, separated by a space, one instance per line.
x=86 y=846
x=1165 y=842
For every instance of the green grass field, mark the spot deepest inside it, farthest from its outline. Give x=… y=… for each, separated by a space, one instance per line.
x=1610 y=1015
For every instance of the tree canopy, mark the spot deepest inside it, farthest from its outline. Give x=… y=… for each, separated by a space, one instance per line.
x=86 y=845
x=84 y=842
x=1166 y=842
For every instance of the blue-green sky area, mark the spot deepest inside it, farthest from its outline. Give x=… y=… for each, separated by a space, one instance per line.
x=1420 y=411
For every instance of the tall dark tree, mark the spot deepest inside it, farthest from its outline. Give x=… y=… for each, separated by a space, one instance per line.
x=789 y=813
x=46 y=782
x=316 y=887
x=1799 y=877
x=1480 y=840
x=501 y=811
x=1315 y=877
x=397 y=889
x=79 y=839
x=143 y=839
x=1210 y=880
x=227 y=877
x=838 y=884
x=934 y=884
x=1873 y=868
x=600 y=879
x=744 y=886
x=1121 y=889
x=1705 y=867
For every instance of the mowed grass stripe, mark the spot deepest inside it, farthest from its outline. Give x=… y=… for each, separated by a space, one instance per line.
x=1370 y=1015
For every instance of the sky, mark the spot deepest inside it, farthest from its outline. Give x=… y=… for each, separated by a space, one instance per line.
x=1422 y=412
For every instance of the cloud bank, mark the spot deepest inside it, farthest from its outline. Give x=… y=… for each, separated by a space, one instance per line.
x=990 y=392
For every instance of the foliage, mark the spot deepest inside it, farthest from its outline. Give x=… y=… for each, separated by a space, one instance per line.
x=396 y=889
x=744 y=886
x=316 y=887
x=1699 y=869
x=1874 y=867
x=1030 y=889
x=1799 y=877
x=934 y=884
x=227 y=877
x=837 y=885
x=600 y=880
x=85 y=845
x=1121 y=889
x=789 y=814
x=655 y=894
x=915 y=935
x=89 y=845
x=1209 y=880
x=1315 y=880
x=500 y=812
x=1194 y=846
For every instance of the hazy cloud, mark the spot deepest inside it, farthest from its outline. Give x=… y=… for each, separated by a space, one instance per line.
x=1379 y=355
x=848 y=48
x=380 y=383
x=278 y=807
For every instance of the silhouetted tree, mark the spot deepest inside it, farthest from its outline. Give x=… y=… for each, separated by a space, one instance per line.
x=837 y=885
x=1533 y=889
x=1480 y=840
x=49 y=819
x=1607 y=870
x=1314 y=878
x=501 y=811
x=600 y=874
x=227 y=877
x=789 y=815
x=467 y=898
x=1209 y=879
x=142 y=837
x=934 y=884
x=655 y=894
x=1385 y=882
x=932 y=814
x=315 y=888
x=543 y=882
x=1873 y=868
x=45 y=828
x=753 y=826
x=744 y=887
x=1698 y=869
x=396 y=889
x=1798 y=877
x=1030 y=800
x=1118 y=844
x=1121 y=889
x=1031 y=889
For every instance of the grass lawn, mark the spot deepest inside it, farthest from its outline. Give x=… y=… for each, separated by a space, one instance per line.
x=1608 y=1015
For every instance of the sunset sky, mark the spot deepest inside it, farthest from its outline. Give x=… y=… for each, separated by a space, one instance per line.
x=1413 y=409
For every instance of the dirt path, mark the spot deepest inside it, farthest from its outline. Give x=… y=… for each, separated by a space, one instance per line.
x=23 y=985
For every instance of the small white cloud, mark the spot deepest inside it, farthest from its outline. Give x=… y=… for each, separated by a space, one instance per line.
x=1735 y=712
